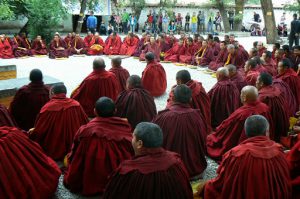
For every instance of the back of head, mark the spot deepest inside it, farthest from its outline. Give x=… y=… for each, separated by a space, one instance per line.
x=116 y=62
x=249 y=94
x=59 y=89
x=266 y=79
x=252 y=63
x=184 y=76
x=286 y=48
x=150 y=134
x=182 y=94
x=105 y=107
x=222 y=73
x=286 y=63
x=98 y=63
x=134 y=81
x=36 y=75
x=231 y=68
x=149 y=56
x=256 y=125
x=268 y=54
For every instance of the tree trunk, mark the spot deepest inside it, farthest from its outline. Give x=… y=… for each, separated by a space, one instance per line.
x=224 y=15
x=239 y=13
x=270 y=26
x=81 y=16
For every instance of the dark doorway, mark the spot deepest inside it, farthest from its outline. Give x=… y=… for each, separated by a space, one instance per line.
x=84 y=29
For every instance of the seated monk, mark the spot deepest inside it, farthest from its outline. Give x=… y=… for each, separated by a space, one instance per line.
x=275 y=47
x=220 y=58
x=98 y=149
x=235 y=57
x=21 y=47
x=189 y=51
x=251 y=72
x=289 y=76
x=68 y=39
x=154 y=76
x=6 y=49
x=272 y=96
x=78 y=46
x=113 y=45
x=88 y=38
x=57 y=123
x=200 y=99
x=29 y=100
x=197 y=40
x=98 y=84
x=185 y=131
x=214 y=46
x=6 y=118
x=152 y=47
x=26 y=172
x=224 y=98
x=297 y=59
x=253 y=52
x=129 y=45
x=152 y=173
x=260 y=47
x=121 y=73
x=236 y=77
x=204 y=55
x=256 y=168
x=135 y=103
x=278 y=56
x=174 y=53
x=95 y=46
x=163 y=44
x=39 y=46
x=231 y=131
x=142 y=44
x=268 y=63
x=58 y=48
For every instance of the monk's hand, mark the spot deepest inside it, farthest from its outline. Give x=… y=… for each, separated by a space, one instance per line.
x=200 y=188
x=30 y=131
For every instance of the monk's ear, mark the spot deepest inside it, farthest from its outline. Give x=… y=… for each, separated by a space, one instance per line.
x=95 y=112
x=140 y=144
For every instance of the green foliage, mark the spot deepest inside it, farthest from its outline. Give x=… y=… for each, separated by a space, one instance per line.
x=238 y=18
x=294 y=7
x=5 y=11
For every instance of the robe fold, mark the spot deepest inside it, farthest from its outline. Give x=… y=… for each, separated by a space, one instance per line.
x=220 y=60
x=164 y=46
x=156 y=173
x=256 y=169
x=18 y=43
x=129 y=46
x=141 y=45
x=174 y=53
x=239 y=81
x=77 y=44
x=251 y=76
x=224 y=100
x=293 y=159
x=39 y=48
x=56 y=125
x=188 y=54
x=95 y=46
x=261 y=51
x=215 y=47
x=55 y=53
x=6 y=50
x=98 y=149
x=238 y=59
x=6 y=118
x=25 y=171
x=271 y=67
x=154 y=79
x=100 y=83
x=113 y=46
x=154 y=48
x=27 y=104
x=185 y=131
x=137 y=105
x=231 y=131
x=203 y=57
x=122 y=75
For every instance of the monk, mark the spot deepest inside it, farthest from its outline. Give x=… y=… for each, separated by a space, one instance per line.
x=113 y=45
x=272 y=96
x=297 y=59
x=57 y=123
x=21 y=47
x=142 y=44
x=197 y=41
x=215 y=47
x=220 y=58
x=135 y=103
x=68 y=39
x=200 y=99
x=154 y=77
x=95 y=46
x=88 y=38
x=294 y=163
x=278 y=56
x=129 y=45
x=39 y=46
x=204 y=55
x=78 y=46
x=6 y=118
x=98 y=149
x=163 y=44
x=185 y=131
x=121 y=73
x=25 y=172
x=97 y=84
x=173 y=54
x=268 y=63
x=153 y=47
x=6 y=49
x=29 y=100
x=189 y=52
x=58 y=48
x=255 y=169
x=236 y=77
x=152 y=173
x=253 y=52
x=260 y=47
x=231 y=132
x=235 y=57
x=276 y=46
x=289 y=76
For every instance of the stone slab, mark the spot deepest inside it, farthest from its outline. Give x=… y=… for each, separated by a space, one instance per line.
x=8 y=71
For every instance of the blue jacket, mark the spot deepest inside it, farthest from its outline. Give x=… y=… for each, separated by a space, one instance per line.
x=91 y=22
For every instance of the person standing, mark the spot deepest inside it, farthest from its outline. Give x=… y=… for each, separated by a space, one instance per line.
x=202 y=22
x=295 y=31
x=231 y=18
x=282 y=19
x=194 y=23
x=160 y=18
x=154 y=22
x=210 y=22
x=256 y=17
x=187 y=22
x=198 y=21
x=133 y=22
x=92 y=23
x=125 y=18
x=218 y=20
x=165 y=23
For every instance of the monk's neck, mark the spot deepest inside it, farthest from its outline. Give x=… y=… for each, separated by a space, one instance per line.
x=59 y=96
x=148 y=151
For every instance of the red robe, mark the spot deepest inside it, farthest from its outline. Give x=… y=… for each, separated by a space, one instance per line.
x=98 y=84
x=206 y=55
x=54 y=53
x=141 y=45
x=271 y=67
x=98 y=149
x=27 y=104
x=154 y=48
x=215 y=46
x=5 y=117
x=200 y=100
x=154 y=79
x=256 y=169
x=239 y=81
x=251 y=76
x=88 y=39
x=39 y=48
x=6 y=50
x=231 y=131
x=25 y=171
x=56 y=125
x=129 y=45
x=219 y=61
x=22 y=43
x=113 y=46
x=122 y=75
x=137 y=105
x=189 y=52
x=95 y=46
x=238 y=59
x=68 y=41
x=174 y=53
x=78 y=44
x=156 y=173
x=293 y=159
x=272 y=96
x=224 y=100
x=261 y=51
x=185 y=131
x=164 y=46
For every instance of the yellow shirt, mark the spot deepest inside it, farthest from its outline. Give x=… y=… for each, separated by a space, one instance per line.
x=194 y=19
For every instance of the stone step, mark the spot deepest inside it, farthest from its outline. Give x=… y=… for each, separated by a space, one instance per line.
x=8 y=72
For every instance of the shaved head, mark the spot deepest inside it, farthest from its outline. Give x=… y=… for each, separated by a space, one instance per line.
x=58 y=89
x=256 y=125
x=231 y=69
x=36 y=75
x=182 y=94
x=249 y=94
x=116 y=62
x=183 y=76
x=105 y=107
x=98 y=63
x=134 y=81
x=222 y=73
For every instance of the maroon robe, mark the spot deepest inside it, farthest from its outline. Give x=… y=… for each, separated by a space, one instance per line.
x=39 y=48
x=113 y=46
x=188 y=55
x=5 y=117
x=215 y=46
x=219 y=61
x=271 y=67
x=154 y=48
x=56 y=125
x=78 y=44
x=154 y=79
x=164 y=46
x=224 y=100
x=27 y=104
x=174 y=53
x=95 y=46
x=122 y=75
x=231 y=131
x=272 y=96
x=140 y=47
x=185 y=131
x=68 y=41
x=55 y=53
x=239 y=81
x=256 y=169
x=293 y=159
x=100 y=83
x=129 y=46
x=137 y=105
x=6 y=50
x=238 y=59
x=98 y=149
x=206 y=55
x=25 y=171
x=251 y=76
x=22 y=43
x=261 y=51
x=156 y=173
